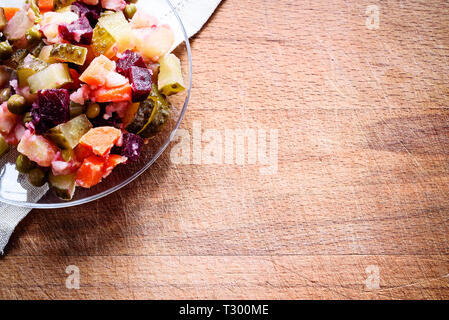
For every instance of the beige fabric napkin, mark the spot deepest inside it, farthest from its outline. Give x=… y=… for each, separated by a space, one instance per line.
x=193 y=13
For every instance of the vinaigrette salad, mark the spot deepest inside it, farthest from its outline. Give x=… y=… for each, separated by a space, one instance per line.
x=83 y=87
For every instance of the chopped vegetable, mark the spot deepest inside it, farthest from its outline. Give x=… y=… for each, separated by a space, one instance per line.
x=28 y=67
x=113 y=161
x=16 y=59
x=132 y=146
x=51 y=109
x=140 y=79
x=4 y=146
x=53 y=77
x=97 y=72
x=118 y=27
x=170 y=80
x=44 y=55
x=101 y=140
x=91 y=12
x=154 y=43
x=68 y=53
x=46 y=5
x=78 y=32
x=129 y=59
x=91 y=172
x=10 y=12
x=123 y=93
x=18 y=26
x=63 y=186
x=8 y=120
x=3 y=20
x=37 y=149
x=102 y=40
x=68 y=135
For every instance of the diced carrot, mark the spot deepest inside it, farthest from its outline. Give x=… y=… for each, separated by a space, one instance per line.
x=46 y=5
x=113 y=161
x=122 y=93
x=96 y=73
x=10 y=12
x=91 y=172
x=101 y=140
x=82 y=152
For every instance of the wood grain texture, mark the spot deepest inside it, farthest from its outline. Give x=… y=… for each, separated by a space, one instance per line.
x=362 y=177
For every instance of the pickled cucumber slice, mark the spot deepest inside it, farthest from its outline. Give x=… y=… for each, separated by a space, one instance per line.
x=102 y=40
x=16 y=59
x=53 y=77
x=120 y=30
x=4 y=146
x=36 y=50
x=65 y=52
x=63 y=186
x=170 y=80
x=35 y=8
x=153 y=113
x=28 y=67
x=160 y=118
x=3 y=20
x=44 y=55
x=63 y=5
x=68 y=135
x=143 y=117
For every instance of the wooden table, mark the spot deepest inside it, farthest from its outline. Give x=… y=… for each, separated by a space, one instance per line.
x=358 y=206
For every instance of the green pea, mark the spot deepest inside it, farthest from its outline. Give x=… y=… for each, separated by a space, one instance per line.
x=93 y=110
x=17 y=104
x=75 y=109
x=33 y=35
x=23 y=164
x=5 y=94
x=130 y=10
x=37 y=177
x=5 y=50
x=4 y=146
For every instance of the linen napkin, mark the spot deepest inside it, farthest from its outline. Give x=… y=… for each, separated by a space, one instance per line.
x=193 y=13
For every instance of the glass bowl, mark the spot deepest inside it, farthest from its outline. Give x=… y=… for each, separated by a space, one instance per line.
x=15 y=188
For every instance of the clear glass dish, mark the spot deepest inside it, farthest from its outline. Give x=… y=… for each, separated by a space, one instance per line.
x=14 y=187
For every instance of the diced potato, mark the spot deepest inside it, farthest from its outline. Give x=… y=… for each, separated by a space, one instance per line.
x=154 y=43
x=37 y=149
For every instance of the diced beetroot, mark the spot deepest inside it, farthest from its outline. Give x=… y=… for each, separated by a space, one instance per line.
x=131 y=147
x=52 y=108
x=129 y=59
x=140 y=79
x=78 y=32
x=92 y=13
